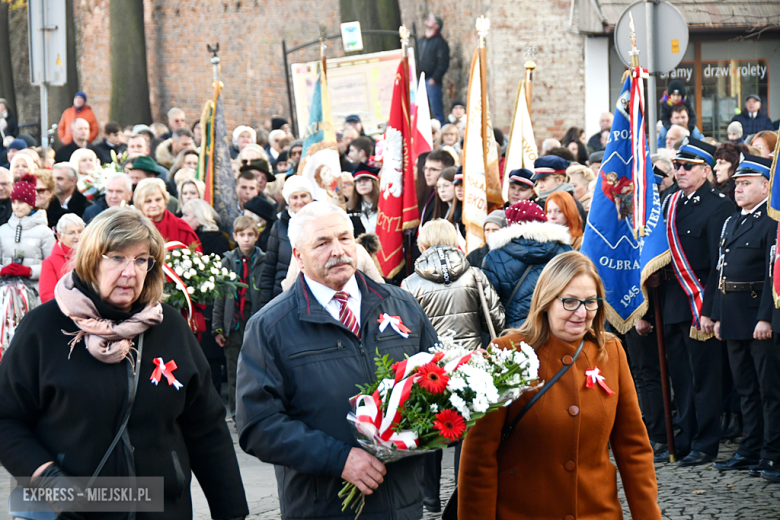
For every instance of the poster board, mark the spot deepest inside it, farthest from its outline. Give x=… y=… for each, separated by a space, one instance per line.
x=361 y=85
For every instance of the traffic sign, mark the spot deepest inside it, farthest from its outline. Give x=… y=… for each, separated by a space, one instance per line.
x=670 y=36
x=47 y=41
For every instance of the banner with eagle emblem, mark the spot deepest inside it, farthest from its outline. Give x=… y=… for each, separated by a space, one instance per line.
x=624 y=259
x=397 y=210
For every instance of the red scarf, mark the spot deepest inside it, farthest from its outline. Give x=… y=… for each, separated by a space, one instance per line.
x=172 y=228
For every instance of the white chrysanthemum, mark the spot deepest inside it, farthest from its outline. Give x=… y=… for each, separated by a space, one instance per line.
x=532 y=359
x=224 y=271
x=232 y=276
x=187 y=275
x=193 y=272
x=435 y=408
x=187 y=263
x=186 y=252
x=456 y=383
x=178 y=270
x=460 y=405
x=204 y=288
x=176 y=253
x=480 y=404
x=214 y=270
x=211 y=279
x=190 y=290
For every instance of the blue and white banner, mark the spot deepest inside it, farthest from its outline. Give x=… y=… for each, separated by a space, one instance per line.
x=624 y=262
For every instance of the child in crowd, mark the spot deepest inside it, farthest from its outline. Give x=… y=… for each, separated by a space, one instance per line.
x=675 y=95
x=232 y=311
x=25 y=240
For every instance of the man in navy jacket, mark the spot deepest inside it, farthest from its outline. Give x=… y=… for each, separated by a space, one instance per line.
x=753 y=121
x=303 y=355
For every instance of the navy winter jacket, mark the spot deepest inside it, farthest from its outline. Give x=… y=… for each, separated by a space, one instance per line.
x=296 y=374
x=277 y=260
x=512 y=250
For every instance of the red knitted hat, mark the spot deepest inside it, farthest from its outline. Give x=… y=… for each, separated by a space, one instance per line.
x=24 y=190
x=525 y=211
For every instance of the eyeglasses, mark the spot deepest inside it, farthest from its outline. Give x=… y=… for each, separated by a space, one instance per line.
x=572 y=304
x=687 y=166
x=141 y=263
x=41 y=190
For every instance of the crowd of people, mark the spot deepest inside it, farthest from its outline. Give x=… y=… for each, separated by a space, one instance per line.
x=289 y=344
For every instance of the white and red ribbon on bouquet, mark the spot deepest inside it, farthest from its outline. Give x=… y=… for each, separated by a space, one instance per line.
x=371 y=422
x=395 y=322
x=165 y=369
x=594 y=377
x=170 y=246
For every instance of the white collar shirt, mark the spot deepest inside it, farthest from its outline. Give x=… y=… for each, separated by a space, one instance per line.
x=324 y=295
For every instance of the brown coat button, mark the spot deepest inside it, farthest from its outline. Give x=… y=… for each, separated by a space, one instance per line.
x=569 y=517
x=570 y=465
x=567 y=360
x=574 y=410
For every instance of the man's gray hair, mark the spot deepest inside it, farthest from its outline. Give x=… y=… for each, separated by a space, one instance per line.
x=180 y=132
x=73 y=124
x=66 y=166
x=276 y=135
x=175 y=110
x=124 y=177
x=68 y=218
x=297 y=230
x=5 y=171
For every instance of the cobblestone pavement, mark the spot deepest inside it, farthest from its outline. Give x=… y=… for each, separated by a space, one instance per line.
x=700 y=493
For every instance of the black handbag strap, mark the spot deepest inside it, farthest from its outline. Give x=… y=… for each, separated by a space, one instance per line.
x=509 y=429
x=519 y=283
x=133 y=377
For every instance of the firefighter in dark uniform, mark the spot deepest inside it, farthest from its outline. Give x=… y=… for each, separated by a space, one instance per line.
x=742 y=311
x=694 y=220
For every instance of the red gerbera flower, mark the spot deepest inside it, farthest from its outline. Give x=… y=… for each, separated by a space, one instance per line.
x=433 y=378
x=450 y=424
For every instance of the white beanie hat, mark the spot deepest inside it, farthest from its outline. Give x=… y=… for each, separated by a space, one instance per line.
x=295 y=183
x=240 y=130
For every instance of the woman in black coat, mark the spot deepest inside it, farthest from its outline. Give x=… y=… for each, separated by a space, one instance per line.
x=297 y=193
x=65 y=386
x=203 y=220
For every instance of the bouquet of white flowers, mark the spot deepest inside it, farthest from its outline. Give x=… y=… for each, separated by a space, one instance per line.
x=93 y=185
x=429 y=400
x=195 y=277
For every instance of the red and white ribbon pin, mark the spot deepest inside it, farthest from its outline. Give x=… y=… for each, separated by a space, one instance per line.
x=395 y=322
x=165 y=369
x=593 y=377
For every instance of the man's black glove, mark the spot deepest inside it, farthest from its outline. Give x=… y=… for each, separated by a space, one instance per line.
x=55 y=479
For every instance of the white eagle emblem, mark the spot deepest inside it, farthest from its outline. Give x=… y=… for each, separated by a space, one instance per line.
x=393 y=165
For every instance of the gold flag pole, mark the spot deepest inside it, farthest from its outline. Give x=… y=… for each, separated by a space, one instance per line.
x=323 y=46
x=404 y=34
x=530 y=65
x=483 y=27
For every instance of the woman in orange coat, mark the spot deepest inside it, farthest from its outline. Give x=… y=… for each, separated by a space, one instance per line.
x=555 y=465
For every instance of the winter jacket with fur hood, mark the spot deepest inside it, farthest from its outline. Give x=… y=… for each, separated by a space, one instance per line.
x=446 y=286
x=35 y=243
x=512 y=250
x=164 y=154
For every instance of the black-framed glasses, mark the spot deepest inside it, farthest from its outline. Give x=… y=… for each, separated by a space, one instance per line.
x=572 y=304
x=687 y=166
x=142 y=263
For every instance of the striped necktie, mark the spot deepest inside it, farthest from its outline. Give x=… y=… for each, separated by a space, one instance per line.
x=346 y=316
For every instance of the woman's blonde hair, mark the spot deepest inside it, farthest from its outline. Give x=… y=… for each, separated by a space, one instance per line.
x=438 y=232
x=207 y=217
x=583 y=171
x=556 y=275
x=80 y=154
x=27 y=160
x=199 y=185
x=147 y=187
x=118 y=229
x=46 y=177
x=183 y=174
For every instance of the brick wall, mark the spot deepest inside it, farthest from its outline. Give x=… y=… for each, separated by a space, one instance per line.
x=250 y=34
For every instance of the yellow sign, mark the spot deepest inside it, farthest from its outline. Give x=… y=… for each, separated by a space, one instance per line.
x=59 y=61
x=675 y=46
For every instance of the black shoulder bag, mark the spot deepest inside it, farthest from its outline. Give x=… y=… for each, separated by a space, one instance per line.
x=451 y=509
x=133 y=376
